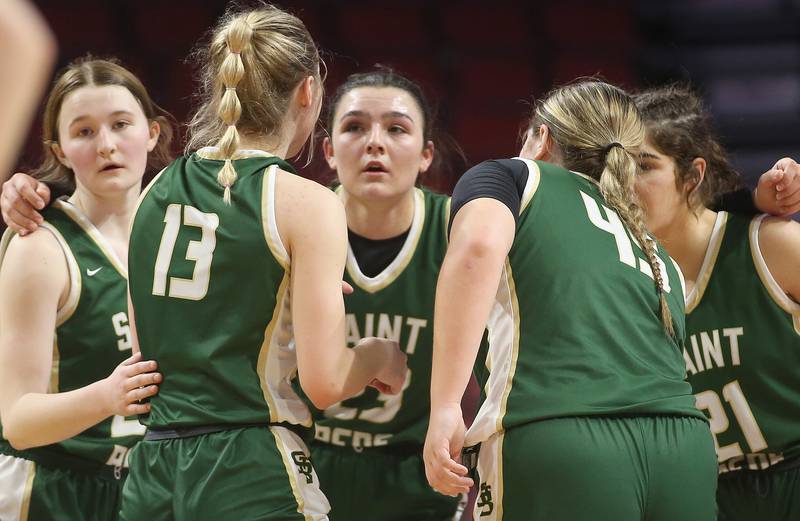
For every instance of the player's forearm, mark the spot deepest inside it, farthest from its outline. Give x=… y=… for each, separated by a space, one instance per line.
x=465 y=293
x=37 y=419
x=27 y=51
x=343 y=374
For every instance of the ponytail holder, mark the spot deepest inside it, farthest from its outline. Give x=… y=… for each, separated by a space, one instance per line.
x=229 y=88
x=611 y=145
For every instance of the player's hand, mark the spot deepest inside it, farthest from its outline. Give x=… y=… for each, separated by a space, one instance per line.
x=442 y=452
x=22 y=196
x=347 y=289
x=392 y=378
x=778 y=191
x=132 y=381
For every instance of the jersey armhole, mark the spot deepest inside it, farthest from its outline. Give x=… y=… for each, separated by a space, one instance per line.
x=531 y=184
x=65 y=311
x=140 y=199
x=447 y=220
x=776 y=292
x=268 y=218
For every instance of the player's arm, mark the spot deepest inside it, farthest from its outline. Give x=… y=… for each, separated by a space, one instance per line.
x=481 y=237
x=485 y=203
x=779 y=240
x=27 y=52
x=312 y=224
x=33 y=280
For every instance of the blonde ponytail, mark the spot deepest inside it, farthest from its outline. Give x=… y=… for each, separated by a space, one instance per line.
x=599 y=131
x=252 y=65
x=237 y=38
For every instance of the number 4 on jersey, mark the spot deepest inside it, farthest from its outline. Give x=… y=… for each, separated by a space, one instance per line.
x=613 y=225
x=200 y=252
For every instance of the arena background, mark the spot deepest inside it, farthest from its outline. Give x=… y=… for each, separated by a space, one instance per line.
x=483 y=62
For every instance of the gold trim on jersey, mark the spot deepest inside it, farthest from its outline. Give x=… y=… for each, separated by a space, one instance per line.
x=73 y=272
x=55 y=367
x=311 y=502
x=396 y=267
x=773 y=288
x=76 y=215
x=214 y=154
x=503 y=326
x=714 y=242
x=531 y=184
x=680 y=278
x=24 y=511
x=277 y=364
x=269 y=221
x=447 y=220
x=141 y=198
x=489 y=502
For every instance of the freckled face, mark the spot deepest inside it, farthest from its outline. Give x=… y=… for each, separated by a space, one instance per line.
x=377 y=145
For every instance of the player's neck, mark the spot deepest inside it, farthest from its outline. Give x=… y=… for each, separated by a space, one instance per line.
x=111 y=214
x=380 y=219
x=686 y=240
x=276 y=146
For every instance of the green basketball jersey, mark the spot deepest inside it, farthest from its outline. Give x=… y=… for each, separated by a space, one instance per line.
x=576 y=326
x=743 y=350
x=92 y=338
x=397 y=304
x=209 y=284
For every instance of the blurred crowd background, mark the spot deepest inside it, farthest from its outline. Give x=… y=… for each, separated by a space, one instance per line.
x=483 y=62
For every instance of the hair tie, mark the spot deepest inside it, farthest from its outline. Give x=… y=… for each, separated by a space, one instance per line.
x=611 y=145
x=229 y=88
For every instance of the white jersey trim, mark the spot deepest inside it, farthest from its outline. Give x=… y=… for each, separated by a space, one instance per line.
x=714 y=242
x=501 y=360
x=269 y=218
x=531 y=184
x=311 y=502
x=99 y=239
x=773 y=288
x=399 y=263
x=277 y=364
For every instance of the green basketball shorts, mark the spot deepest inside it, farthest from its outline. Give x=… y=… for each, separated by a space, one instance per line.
x=244 y=474
x=649 y=468
x=765 y=495
x=33 y=492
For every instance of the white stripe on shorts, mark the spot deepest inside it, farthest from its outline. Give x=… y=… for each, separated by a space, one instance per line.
x=311 y=502
x=16 y=480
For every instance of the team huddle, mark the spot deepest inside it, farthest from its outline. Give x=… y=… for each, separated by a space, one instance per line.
x=236 y=342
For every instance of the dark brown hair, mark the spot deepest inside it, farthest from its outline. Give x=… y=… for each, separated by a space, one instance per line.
x=90 y=71
x=679 y=126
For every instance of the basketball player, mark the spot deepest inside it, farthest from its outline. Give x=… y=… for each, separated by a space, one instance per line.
x=235 y=279
x=67 y=424
x=368 y=449
x=743 y=318
x=588 y=414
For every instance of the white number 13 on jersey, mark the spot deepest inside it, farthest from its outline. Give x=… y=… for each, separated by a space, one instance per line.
x=198 y=251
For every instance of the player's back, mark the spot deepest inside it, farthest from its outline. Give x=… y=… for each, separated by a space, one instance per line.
x=576 y=327
x=209 y=286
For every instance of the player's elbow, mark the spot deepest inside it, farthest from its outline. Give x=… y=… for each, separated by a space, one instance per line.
x=322 y=392
x=15 y=438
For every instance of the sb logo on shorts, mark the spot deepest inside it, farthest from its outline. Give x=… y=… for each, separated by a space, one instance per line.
x=303 y=464
x=485 y=502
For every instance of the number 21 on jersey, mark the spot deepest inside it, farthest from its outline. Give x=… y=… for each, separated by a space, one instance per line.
x=200 y=252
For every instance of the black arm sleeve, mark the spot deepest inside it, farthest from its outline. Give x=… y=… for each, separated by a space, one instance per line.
x=740 y=201
x=502 y=179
